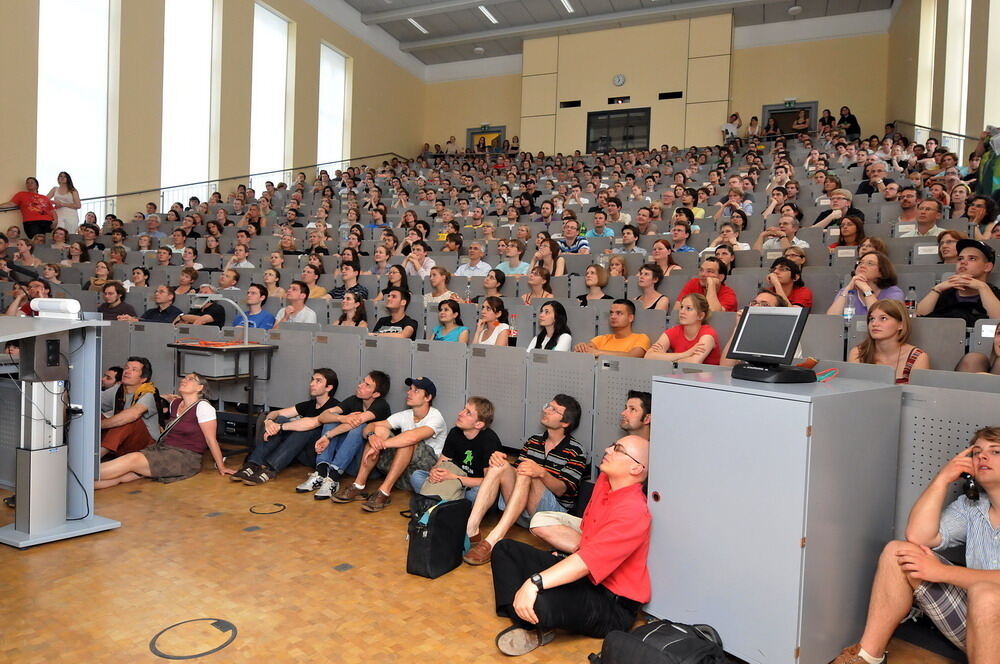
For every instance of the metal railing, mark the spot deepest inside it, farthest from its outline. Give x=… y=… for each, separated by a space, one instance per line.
x=166 y=196
x=954 y=141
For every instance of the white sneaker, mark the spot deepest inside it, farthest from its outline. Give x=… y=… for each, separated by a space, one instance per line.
x=311 y=484
x=327 y=487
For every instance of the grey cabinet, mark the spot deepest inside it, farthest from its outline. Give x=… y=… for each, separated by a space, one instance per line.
x=770 y=505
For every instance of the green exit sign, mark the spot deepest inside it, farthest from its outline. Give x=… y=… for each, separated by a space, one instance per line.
x=789 y=103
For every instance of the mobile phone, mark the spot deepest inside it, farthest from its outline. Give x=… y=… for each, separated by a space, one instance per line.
x=970 y=488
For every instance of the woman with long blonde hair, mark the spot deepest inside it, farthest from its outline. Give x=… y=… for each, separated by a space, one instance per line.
x=888 y=341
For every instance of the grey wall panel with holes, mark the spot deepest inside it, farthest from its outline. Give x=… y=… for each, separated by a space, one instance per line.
x=823 y=337
x=10 y=431
x=615 y=377
x=393 y=356
x=444 y=362
x=955 y=380
x=500 y=374
x=150 y=340
x=342 y=353
x=291 y=367
x=115 y=343
x=554 y=372
x=237 y=390
x=935 y=425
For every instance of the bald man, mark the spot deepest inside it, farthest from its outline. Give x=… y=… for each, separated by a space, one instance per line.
x=600 y=586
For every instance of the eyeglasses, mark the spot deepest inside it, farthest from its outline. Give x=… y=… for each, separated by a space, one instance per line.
x=619 y=448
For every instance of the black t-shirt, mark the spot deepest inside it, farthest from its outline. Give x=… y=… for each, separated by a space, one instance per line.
x=309 y=408
x=866 y=188
x=385 y=325
x=851 y=212
x=952 y=305
x=583 y=299
x=214 y=310
x=379 y=407
x=472 y=456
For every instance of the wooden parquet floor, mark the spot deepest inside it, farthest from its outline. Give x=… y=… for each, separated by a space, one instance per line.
x=317 y=582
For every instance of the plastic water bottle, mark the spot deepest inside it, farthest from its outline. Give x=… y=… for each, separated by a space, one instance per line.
x=848 y=308
x=911 y=301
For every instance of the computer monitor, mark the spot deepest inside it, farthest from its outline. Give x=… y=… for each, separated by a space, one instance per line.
x=766 y=339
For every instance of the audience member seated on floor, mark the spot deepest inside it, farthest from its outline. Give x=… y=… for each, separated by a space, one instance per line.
x=601 y=585
x=553 y=329
x=468 y=448
x=296 y=310
x=275 y=447
x=785 y=277
x=20 y=305
x=396 y=323
x=711 y=282
x=981 y=363
x=210 y=313
x=621 y=341
x=874 y=278
x=130 y=417
x=692 y=339
x=887 y=342
x=111 y=378
x=929 y=213
x=545 y=478
x=417 y=446
x=177 y=455
x=339 y=446
x=164 y=310
x=965 y=294
x=450 y=326
x=962 y=602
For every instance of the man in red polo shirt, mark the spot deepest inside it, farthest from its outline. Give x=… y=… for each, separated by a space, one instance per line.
x=711 y=282
x=601 y=586
x=37 y=211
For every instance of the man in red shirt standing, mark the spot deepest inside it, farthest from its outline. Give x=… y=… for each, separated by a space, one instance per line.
x=601 y=586
x=711 y=282
x=37 y=211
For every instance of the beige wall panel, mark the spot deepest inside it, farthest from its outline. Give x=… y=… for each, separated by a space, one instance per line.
x=538 y=95
x=703 y=122
x=856 y=81
x=711 y=35
x=540 y=56
x=19 y=72
x=667 y=121
x=538 y=133
x=708 y=79
x=571 y=129
x=904 y=37
x=231 y=126
x=451 y=108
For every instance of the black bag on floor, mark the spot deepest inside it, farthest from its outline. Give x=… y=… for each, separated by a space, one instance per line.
x=437 y=535
x=662 y=642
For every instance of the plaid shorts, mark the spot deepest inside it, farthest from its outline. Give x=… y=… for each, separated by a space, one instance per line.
x=424 y=458
x=946 y=606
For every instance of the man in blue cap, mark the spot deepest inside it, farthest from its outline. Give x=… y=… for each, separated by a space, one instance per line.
x=409 y=440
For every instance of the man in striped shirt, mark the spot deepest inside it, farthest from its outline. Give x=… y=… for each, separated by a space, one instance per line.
x=963 y=602
x=546 y=477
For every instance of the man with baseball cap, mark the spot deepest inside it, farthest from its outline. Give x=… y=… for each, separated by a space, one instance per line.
x=965 y=294
x=409 y=440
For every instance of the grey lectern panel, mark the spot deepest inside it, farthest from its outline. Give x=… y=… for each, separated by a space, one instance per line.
x=342 y=353
x=291 y=367
x=553 y=372
x=391 y=355
x=10 y=431
x=935 y=425
x=150 y=340
x=444 y=362
x=500 y=374
x=615 y=377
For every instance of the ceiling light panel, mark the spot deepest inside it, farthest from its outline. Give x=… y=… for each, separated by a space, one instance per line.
x=486 y=12
x=569 y=7
x=418 y=26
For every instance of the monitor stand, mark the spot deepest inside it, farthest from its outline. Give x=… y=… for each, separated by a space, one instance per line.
x=773 y=373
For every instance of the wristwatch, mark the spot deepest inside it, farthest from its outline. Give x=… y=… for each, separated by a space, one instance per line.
x=537 y=580
x=869 y=293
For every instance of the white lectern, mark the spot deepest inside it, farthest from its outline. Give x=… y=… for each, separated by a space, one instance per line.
x=770 y=504
x=55 y=473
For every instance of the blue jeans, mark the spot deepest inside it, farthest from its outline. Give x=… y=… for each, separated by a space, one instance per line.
x=418 y=478
x=344 y=450
x=282 y=448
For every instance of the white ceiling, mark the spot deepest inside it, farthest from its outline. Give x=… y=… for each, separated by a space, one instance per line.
x=456 y=27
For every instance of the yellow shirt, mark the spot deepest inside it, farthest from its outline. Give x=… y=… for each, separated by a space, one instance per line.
x=316 y=292
x=613 y=343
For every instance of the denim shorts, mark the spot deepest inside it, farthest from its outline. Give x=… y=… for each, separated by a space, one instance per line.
x=547 y=503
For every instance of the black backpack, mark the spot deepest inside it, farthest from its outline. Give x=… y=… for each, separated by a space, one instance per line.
x=662 y=642
x=437 y=535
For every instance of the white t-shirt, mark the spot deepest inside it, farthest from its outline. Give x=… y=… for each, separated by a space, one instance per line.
x=205 y=412
x=403 y=421
x=307 y=315
x=565 y=342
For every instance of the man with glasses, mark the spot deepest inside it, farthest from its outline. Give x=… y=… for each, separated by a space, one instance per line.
x=476 y=267
x=965 y=294
x=571 y=242
x=840 y=208
x=600 y=586
x=876 y=182
x=928 y=215
x=710 y=282
x=780 y=237
x=545 y=478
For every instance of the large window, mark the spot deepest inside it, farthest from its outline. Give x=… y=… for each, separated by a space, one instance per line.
x=268 y=96
x=73 y=95
x=187 y=95
x=332 y=91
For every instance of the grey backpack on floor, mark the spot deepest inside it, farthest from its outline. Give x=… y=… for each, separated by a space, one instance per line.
x=662 y=642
